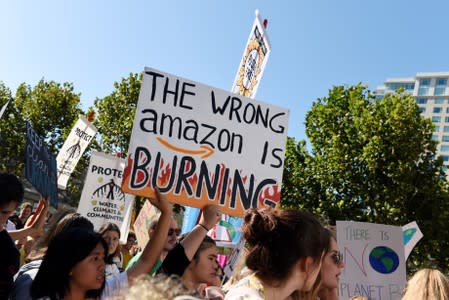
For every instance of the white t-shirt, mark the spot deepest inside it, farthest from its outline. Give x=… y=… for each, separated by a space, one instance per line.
x=115 y=286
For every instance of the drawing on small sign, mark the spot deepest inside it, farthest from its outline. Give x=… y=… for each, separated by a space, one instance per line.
x=110 y=191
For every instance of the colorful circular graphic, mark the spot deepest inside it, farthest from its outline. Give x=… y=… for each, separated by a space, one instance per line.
x=408 y=234
x=384 y=260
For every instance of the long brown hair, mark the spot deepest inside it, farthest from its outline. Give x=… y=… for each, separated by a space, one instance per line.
x=279 y=238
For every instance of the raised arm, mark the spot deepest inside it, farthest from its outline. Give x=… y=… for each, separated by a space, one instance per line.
x=36 y=225
x=154 y=247
x=211 y=215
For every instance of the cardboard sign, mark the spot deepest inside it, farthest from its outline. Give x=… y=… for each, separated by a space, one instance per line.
x=255 y=57
x=102 y=199
x=203 y=145
x=40 y=166
x=79 y=138
x=411 y=235
x=148 y=213
x=374 y=260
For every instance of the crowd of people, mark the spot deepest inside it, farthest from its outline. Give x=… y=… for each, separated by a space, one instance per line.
x=290 y=255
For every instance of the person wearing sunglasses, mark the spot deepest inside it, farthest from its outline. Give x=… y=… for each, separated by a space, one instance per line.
x=170 y=242
x=331 y=268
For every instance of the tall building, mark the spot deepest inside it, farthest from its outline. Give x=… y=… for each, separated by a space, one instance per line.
x=431 y=92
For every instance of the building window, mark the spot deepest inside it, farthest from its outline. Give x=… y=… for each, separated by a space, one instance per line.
x=437 y=110
x=439 y=101
x=446 y=119
x=421 y=101
x=435 y=137
x=423 y=109
x=446 y=129
x=424 y=87
x=445 y=158
x=445 y=138
x=444 y=148
x=440 y=87
x=437 y=128
x=409 y=86
x=437 y=119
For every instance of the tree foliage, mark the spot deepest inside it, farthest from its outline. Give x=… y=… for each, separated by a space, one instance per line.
x=115 y=114
x=371 y=160
x=52 y=108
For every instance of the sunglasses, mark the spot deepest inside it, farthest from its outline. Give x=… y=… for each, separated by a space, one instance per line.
x=337 y=258
x=172 y=231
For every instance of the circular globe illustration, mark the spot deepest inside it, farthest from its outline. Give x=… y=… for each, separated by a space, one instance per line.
x=384 y=260
x=408 y=234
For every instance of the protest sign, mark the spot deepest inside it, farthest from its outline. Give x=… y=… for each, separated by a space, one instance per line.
x=203 y=145
x=411 y=235
x=374 y=260
x=249 y=74
x=148 y=213
x=255 y=57
x=102 y=199
x=40 y=166
x=4 y=108
x=234 y=257
x=227 y=231
x=81 y=135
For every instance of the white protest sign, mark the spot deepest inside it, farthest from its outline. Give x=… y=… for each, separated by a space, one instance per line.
x=4 y=108
x=102 y=199
x=148 y=213
x=81 y=135
x=411 y=235
x=229 y=268
x=249 y=74
x=255 y=57
x=203 y=145
x=374 y=260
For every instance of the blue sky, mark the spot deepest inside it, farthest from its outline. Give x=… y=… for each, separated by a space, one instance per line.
x=315 y=44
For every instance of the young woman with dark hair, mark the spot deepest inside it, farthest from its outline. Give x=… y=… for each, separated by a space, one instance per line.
x=73 y=267
x=114 y=262
x=80 y=272
x=11 y=195
x=24 y=278
x=330 y=270
x=286 y=249
x=194 y=258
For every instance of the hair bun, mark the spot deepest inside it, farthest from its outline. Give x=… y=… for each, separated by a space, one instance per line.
x=258 y=225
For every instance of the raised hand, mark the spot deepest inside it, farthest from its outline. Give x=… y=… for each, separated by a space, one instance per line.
x=161 y=202
x=211 y=216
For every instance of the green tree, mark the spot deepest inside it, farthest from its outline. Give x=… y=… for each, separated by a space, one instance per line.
x=373 y=160
x=115 y=117
x=12 y=128
x=52 y=108
x=115 y=114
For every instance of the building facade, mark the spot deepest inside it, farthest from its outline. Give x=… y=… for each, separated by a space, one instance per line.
x=431 y=92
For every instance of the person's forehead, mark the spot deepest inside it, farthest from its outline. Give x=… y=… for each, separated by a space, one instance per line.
x=333 y=246
x=173 y=224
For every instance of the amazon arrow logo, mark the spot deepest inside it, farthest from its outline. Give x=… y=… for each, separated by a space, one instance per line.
x=204 y=151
